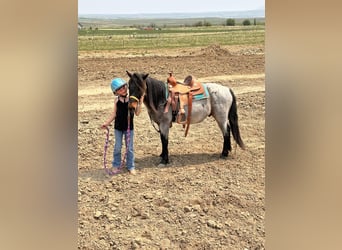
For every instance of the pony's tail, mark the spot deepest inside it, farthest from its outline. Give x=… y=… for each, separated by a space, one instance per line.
x=233 y=121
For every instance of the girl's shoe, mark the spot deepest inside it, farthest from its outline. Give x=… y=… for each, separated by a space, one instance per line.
x=132 y=171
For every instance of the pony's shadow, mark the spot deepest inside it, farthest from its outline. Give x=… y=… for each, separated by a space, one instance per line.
x=177 y=160
x=152 y=161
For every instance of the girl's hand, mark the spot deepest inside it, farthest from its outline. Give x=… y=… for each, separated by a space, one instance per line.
x=104 y=126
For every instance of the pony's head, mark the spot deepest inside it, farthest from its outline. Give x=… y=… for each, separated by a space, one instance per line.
x=137 y=88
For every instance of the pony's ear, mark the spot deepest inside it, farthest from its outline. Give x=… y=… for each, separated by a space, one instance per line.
x=145 y=76
x=129 y=74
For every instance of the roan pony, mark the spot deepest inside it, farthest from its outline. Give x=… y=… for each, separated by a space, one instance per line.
x=220 y=103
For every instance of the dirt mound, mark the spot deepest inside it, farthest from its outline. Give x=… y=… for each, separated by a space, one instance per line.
x=252 y=51
x=214 y=50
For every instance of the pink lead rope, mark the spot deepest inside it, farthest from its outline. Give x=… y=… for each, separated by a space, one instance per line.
x=116 y=171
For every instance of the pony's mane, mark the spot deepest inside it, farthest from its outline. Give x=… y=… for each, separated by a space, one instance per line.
x=155 y=93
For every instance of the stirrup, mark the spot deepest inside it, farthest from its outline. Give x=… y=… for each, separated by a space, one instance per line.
x=181 y=118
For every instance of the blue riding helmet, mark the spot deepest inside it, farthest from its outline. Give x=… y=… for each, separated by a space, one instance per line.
x=117 y=83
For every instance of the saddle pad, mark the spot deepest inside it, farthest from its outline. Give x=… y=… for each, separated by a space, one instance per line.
x=203 y=95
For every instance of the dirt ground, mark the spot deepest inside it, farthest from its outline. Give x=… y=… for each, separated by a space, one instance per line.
x=198 y=201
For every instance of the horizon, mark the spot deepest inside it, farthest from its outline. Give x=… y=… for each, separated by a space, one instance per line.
x=133 y=7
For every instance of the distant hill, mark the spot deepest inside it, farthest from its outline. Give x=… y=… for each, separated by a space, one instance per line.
x=260 y=13
x=167 y=19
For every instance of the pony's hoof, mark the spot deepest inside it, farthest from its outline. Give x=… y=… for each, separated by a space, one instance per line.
x=164 y=161
x=224 y=156
x=161 y=165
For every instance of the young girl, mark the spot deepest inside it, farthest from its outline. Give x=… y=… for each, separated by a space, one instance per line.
x=120 y=115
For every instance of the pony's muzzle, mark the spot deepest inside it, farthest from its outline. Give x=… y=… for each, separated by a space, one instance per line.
x=133 y=103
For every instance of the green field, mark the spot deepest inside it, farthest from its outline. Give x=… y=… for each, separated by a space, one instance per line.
x=133 y=38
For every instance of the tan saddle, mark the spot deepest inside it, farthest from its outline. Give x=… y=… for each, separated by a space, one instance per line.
x=182 y=94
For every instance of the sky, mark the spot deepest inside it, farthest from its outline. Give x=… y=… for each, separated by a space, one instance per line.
x=169 y=6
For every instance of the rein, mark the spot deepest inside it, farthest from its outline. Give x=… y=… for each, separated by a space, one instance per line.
x=128 y=135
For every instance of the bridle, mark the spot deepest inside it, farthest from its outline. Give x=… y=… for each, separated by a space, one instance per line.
x=142 y=89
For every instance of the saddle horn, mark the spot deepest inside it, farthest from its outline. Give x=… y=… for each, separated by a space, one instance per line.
x=171 y=80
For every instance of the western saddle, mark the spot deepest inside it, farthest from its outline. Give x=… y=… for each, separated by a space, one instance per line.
x=181 y=94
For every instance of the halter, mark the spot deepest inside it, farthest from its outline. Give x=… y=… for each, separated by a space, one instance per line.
x=128 y=135
x=143 y=90
x=135 y=98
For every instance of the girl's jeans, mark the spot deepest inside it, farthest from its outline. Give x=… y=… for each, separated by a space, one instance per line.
x=117 y=149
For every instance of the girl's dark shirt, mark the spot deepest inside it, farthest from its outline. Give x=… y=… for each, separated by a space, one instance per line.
x=121 y=122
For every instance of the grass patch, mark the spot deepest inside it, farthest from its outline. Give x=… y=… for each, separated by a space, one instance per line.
x=117 y=39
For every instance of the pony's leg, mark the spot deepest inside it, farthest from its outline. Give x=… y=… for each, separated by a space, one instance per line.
x=165 y=151
x=223 y=124
x=226 y=143
x=224 y=110
x=164 y=127
x=231 y=126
